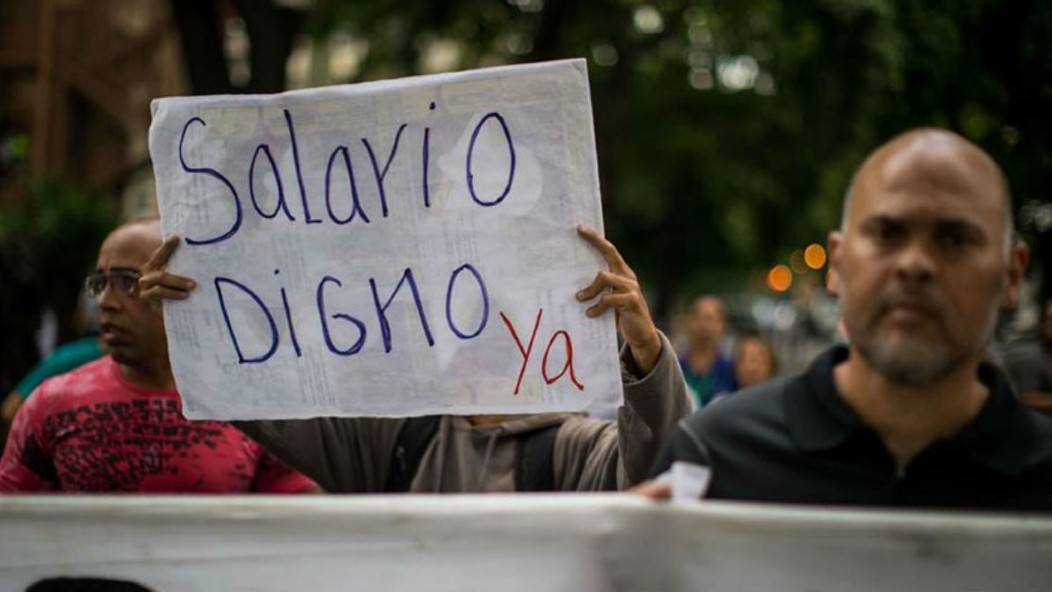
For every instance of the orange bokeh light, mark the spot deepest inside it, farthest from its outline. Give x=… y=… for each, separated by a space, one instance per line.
x=815 y=256
x=780 y=278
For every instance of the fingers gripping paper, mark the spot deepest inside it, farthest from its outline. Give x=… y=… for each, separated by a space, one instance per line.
x=393 y=248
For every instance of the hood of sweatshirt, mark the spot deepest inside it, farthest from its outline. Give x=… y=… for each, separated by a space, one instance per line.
x=467 y=458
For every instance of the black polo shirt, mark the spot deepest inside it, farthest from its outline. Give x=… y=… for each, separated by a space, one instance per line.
x=795 y=441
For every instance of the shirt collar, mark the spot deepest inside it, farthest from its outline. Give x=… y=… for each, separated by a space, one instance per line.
x=1004 y=436
x=818 y=418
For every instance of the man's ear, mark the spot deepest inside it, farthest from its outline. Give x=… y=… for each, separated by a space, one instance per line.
x=1018 y=258
x=833 y=246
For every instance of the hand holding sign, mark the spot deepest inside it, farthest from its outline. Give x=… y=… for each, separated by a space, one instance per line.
x=618 y=289
x=156 y=284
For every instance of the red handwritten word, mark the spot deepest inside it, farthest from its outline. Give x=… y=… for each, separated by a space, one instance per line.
x=526 y=351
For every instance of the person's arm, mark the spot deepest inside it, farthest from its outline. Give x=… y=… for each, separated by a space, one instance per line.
x=14 y=400
x=274 y=476
x=592 y=455
x=685 y=445
x=1037 y=400
x=654 y=404
x=10 y=406
x=342 y=455
x=1029 y=369
x=26 y=465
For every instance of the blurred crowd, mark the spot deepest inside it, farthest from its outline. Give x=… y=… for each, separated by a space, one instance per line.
x=720 y=357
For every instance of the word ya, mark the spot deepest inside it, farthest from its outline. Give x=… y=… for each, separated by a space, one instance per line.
x=339 y=161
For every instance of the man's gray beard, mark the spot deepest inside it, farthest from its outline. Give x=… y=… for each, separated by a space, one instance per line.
x=916 y=364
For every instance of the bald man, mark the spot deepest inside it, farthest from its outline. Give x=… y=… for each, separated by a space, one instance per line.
x=907 y=414
x=116 y=424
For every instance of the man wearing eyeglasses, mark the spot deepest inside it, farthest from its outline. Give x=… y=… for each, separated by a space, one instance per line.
x=116 y=424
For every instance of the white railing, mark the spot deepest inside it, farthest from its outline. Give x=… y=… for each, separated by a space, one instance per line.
x=509 y=543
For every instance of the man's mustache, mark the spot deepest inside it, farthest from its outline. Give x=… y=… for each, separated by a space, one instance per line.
x=924 y=303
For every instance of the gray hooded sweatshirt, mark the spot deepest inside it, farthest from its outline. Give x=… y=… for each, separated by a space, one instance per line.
x=353 y=455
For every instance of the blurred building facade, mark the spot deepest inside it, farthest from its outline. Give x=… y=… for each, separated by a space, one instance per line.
x=77 y=79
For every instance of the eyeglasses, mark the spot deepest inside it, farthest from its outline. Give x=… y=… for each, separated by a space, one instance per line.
x=125 y=281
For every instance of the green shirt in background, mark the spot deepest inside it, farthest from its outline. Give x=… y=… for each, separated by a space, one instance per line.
x=66 y=357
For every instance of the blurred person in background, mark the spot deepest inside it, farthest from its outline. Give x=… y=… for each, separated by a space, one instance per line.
x=909 y=413
x=1029 y=364
x=754 y=361
x=65 y=357
x=709 y=372
x=116 y=424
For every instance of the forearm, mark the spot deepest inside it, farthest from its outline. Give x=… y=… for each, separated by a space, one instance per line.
x=343 y=455
x=654 y=405
x=1039 y=401
x=297 y=443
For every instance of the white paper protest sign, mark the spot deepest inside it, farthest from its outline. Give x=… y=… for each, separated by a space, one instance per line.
x=393 y=248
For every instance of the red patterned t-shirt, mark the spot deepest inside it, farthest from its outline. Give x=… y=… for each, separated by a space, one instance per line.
x=92 y=431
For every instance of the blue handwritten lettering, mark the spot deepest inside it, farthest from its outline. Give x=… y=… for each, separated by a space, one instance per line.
x=449 y=299
x=288 y=319
x=320 y=295
x=299 y=170
x=214 y=174
x=281 y=205
x=376 y=169
x=356 y=206
x=381 y=309
x=241 y=359
x=426 y=159
x=511 y=154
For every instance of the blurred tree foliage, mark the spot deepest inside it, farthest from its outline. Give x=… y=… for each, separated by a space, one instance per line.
x=728 y=131
x=48 y=243
x=272 y=24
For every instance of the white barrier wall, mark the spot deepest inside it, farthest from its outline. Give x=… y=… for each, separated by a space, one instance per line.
x=509 y=543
